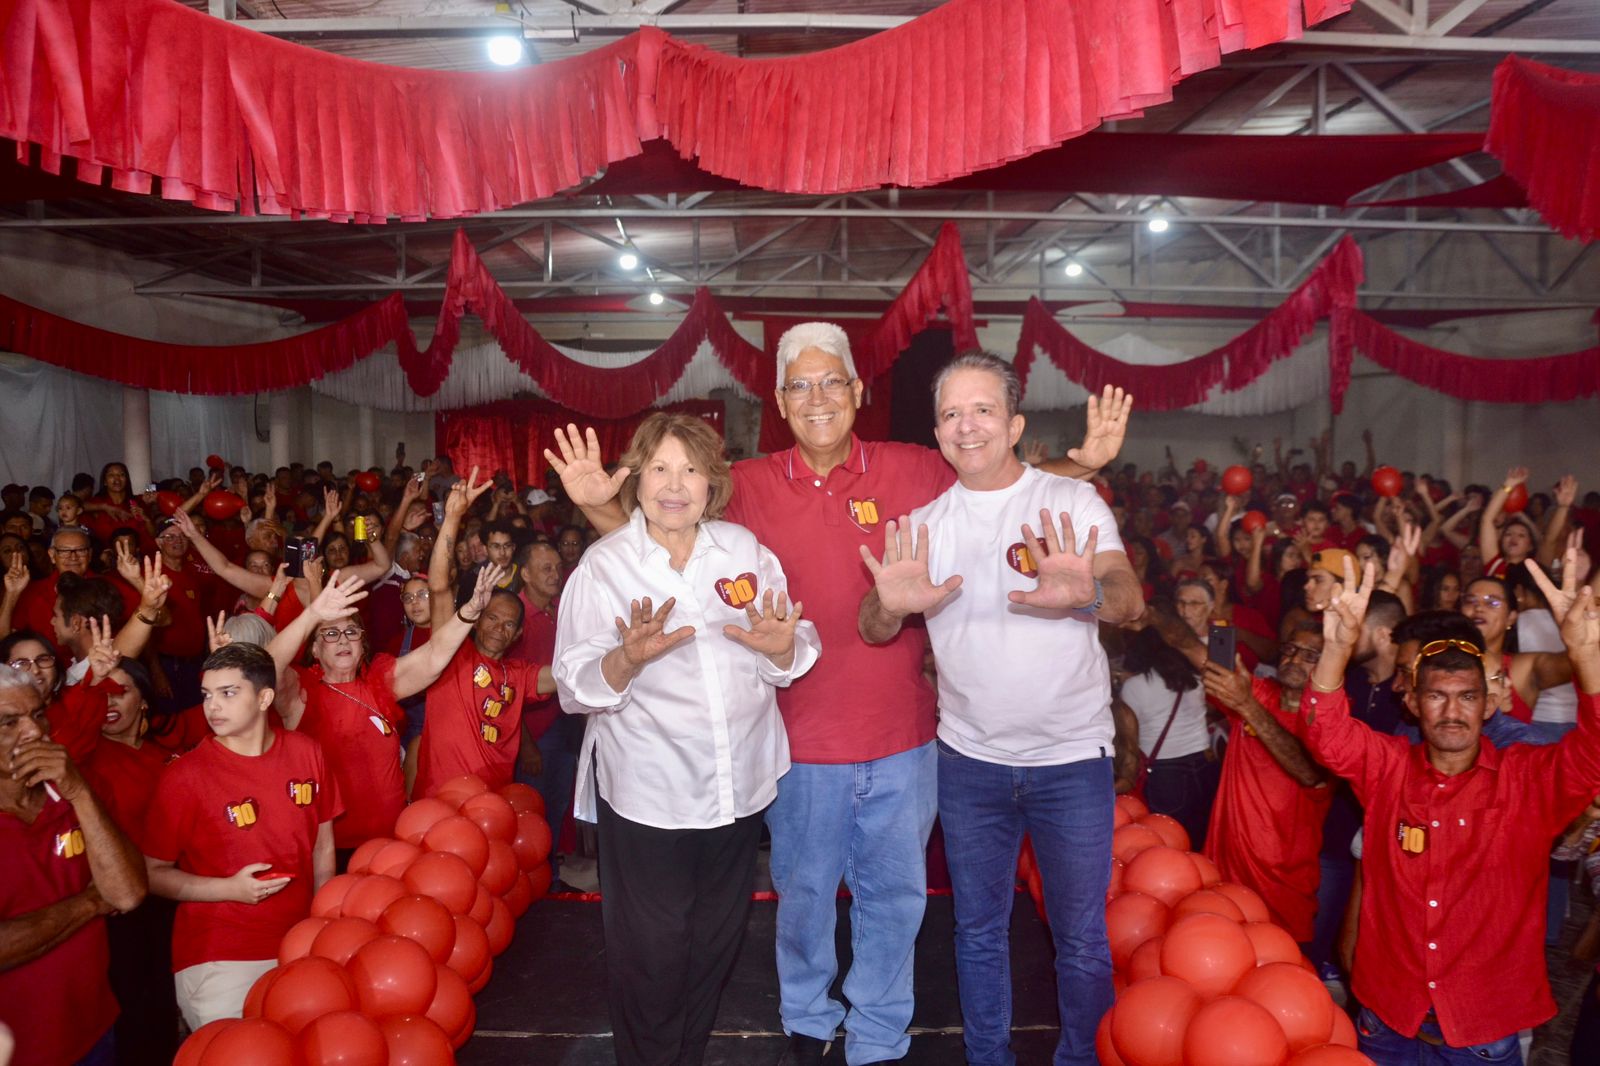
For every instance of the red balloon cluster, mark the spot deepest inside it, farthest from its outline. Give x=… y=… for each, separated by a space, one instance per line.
x=1203 y=976
x=383 y=971
x=1387 y=481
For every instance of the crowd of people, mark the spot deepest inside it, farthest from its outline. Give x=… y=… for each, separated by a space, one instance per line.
x=1369 y=698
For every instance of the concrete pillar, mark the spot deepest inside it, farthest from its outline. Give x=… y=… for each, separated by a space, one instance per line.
x=366 y=447
x=136 y=437
x=278 y=421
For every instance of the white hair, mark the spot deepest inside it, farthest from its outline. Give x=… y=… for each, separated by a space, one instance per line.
x=824 y=336
x=249 y=629
x=11 y=677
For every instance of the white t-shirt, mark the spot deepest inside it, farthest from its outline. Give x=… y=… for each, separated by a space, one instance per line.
x=1151 y=702
x=1537 y=631
x=1018 y=685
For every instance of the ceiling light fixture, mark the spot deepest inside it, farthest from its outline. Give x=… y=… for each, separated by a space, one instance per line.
x=657 y=299
x=1158 y=225
x=627 y=261
x=1074 y=269
x=505 y=51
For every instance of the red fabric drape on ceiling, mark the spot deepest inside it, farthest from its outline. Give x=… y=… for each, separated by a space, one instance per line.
x=1544 y=127
x=228 y=118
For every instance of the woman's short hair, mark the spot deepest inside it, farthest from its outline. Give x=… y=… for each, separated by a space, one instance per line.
x=703 y=444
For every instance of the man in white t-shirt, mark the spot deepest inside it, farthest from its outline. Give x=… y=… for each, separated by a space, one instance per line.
x=1025 y=730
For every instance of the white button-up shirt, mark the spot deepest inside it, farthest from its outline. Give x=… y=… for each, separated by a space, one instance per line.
x=695 y=740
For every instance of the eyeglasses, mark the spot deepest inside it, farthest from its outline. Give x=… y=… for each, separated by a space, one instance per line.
x=1194 y=603
x=800 y=388
x=420 y=596
x=1434 y=647
x=1300 y=651
x=351 y=633
x=72 y=552
x=42 y=661
x=1472 y=599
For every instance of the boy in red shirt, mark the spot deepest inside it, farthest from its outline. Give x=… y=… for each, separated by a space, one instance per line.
x=241 y=835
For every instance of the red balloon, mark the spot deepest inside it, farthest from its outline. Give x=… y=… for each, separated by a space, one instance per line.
x=1208 y=951
x=1344 y=1030
x=168 y=501
x=395 y=856
x=258 y=993
x=1233 y=1031
x=342 y=937
x=476 y=984
x=519 y=897
x=1120 y=817
x=367 y=898
x=1149 y=1020
x=501 y=927
x=1201 y=466
x=452 y=1009
x=296 y=943
x=1145 y=960
x=1252 y=521
x=493 y=814
x=361 y=859
x=1131 y=919
x=459 y=836
x=419 y=817
x=1250 y=903
x=221 y=505
x=306 y=990
x=329 y=899
x=1516 y=499
x=1114 y=887
x=251 y=1042
x=1237 y=480
x=393 y=975
x=522 y=797
x=1169 y=829
x=193 y=1049
x=471 y=784
x=454 y=796
x=423 y=919
x=1207 y=901
x=470 y=953
x=216 y=462
x=1133 y=805
x=1131 y=839
x=539 y=879
x=1163 y=872
x=532 y=842
x=1296 y=998
x=482 y=907
x=1209 y=874
x=1104 y=1049
x=446 y=878
x=1387 y=481
x=343 y=1038
x=1331 y=1055
x=367 y=481
x=415 y=1040
x=502 y=870
x=1272 y=943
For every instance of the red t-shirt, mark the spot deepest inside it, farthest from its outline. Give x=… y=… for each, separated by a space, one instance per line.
x=537 y=645
x=187 y=600
x=860 y=701
x=473 y=722
x=355 y=724
x=76 y=716
x=103 y=525
x=216 y=811
x=59 y=1004
x=124 y=780
x=1266 y=827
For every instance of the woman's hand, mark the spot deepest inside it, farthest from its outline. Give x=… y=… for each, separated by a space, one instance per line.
x=338 y=600
x=16 y=575
x=771 y=631
x=644 y=635
x=245 y=887
x=103 y=654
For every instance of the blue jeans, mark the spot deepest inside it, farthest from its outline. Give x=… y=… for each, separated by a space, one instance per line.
x=1333 y=896
x=1386 y=1047
x=1067 y=811
x=867 y=823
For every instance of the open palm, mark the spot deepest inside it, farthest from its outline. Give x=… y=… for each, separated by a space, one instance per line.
x=645 y=636
x=583 y=475
x=901 y=579
x=1066 y=576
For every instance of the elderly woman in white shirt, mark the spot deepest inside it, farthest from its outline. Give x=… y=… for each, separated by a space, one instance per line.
x=673 y=633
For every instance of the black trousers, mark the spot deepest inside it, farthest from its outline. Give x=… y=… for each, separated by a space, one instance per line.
x=141 y=977
x=1185 y=788
x=674 y=904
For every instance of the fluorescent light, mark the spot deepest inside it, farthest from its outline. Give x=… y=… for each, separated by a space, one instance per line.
x=1074 y=269
x=1158 y=225
x=657 y=299
x=627 y=261
x=505 y=51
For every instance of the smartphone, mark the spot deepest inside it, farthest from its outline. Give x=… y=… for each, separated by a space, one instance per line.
x=1222 y=644
x=438 y=513
x=297 y=552
x=150 y=487
x=273 y=875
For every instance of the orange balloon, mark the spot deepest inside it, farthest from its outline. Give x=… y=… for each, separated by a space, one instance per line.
x=343 y=1038
x=306 y=990
x=1104 y=1049
x=193 y=1049
x=251 y=1042
x=1272 y=943
x=415 y=1040
x=419 y=817
x=539 y=879
x=1250 y=903
x=1171 y=831
x=501 y=871
x=330 y=897
x=493 y=814
x=522 y=797
x=296 y=943
x=1131 y=919
x=452 y=1009
x=1133 y=805
x=258 y=993
x=459 y=836
x=1208 y=951
x=423 y=919
x=1114 y=887
x=1163 y=872
x=471 y=784
x=1330 y=1055
x=1207 y=901
x=1344 y=1030
x=1145 y=960
x=501 y=927
x=341 y=937
x=1120 y=817
x=361 y=858
x=369 y=896
x=1209 y=875
x=446 y=878
x=532 y=842
x=1294 y=997
x=393 y=975
x=1233 y=1031
x=470 y=952
x=394 y=857
x=482 y=907
x=1131 y=839
x=1149 y=1020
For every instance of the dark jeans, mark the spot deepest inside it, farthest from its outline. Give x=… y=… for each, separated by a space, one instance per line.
x=558 y=776
x=1586 y=1033
x=1333 y=896
x=1385 y=1047
x=1185 y=788
x=141 y=977
x=674 y=904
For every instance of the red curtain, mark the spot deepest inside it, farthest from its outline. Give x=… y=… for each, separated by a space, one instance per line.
x=151 y=90
x=1544 y=127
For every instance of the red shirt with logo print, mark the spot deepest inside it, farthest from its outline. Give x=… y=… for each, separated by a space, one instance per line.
x=216 y=811
x=357 y=724
x=473 y=723
x=861 y=701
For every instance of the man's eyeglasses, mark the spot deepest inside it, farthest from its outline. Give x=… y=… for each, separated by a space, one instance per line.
x=1434 y=647
x=71 y=552
x=1472 y=599
x=1301 y=652
x=800 y=388
x=420 y=596
x=350 y=633
x=42 y=661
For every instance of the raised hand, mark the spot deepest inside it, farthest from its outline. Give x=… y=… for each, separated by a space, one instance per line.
x=216 y=636
x=490 y=576
x=1566 y=491
x=1580 y=632
x=644 y=636
x=1404 y=548
x=902 y=580
x=1341 y=620
x=312 y=572
x=583 y=474
x=332 y=503
x=1560 y=599
x=128 y=565
x=154 y=586
x=1231 y=688
x=771 y=631
x=103 y=654
x=280 y=584
x=269 y=499
x=185 y=523
x=1066 y=578
x=338 y=600
x=464 y=493
x=1516 y=476
x=1033 y=452
x=17 y=575
x=412 y=489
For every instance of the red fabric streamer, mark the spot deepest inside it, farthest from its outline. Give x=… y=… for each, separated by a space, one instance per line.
x=1544 y=127
x=226 y=118
x=1331 y=285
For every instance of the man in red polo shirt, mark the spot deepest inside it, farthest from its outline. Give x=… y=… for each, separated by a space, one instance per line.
x=859 y=799
x=66 y=866
x=1449 y=951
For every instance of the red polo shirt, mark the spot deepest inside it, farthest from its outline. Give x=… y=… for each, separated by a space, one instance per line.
x=473 y=722
x=185 y=636
x=537 y=644
x=1266 y=827
x=1456 y=924
x=860 y=701
x=356 y=723
x=59 y=1004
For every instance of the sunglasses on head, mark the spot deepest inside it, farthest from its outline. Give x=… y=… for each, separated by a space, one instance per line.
x=1434 y=647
